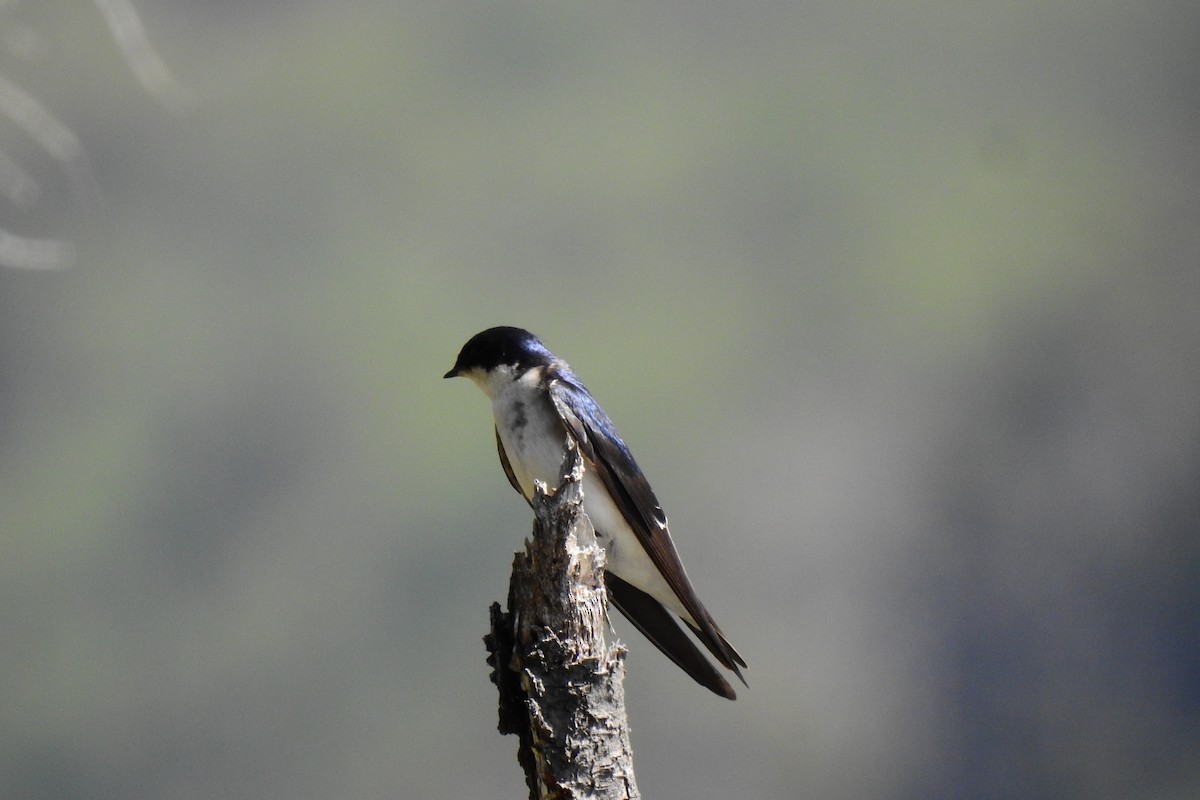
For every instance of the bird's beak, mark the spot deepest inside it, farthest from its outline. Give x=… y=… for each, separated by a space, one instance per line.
x=451 y=374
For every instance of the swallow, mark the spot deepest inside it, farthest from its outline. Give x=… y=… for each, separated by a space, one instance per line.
x=538 y=401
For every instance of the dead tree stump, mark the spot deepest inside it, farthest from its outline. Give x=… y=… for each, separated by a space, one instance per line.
x=560 y=681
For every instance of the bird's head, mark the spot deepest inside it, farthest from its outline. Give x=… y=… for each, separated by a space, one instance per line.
x=496 y=357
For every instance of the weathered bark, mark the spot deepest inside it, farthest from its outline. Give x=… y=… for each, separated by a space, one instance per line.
x=560 y=681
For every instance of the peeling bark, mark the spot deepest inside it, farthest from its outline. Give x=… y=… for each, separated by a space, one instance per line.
x=560 y=681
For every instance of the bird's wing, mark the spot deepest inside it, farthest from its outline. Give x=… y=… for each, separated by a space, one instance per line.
x=602 y=446
x=508 y=470
x=656 y=623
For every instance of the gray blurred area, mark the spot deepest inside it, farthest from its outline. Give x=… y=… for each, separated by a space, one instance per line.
x=898 y=305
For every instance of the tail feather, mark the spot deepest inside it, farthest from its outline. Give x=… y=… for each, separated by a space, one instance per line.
x=656 y=623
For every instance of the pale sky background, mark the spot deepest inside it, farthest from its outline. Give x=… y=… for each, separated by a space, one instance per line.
x=895 y=303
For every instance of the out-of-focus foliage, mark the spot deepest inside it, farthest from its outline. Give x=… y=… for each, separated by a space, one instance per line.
x=896 y=303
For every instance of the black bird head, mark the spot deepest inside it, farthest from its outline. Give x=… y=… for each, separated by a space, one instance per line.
x=504 y=346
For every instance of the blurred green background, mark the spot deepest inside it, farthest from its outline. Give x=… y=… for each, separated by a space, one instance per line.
x=897 y=304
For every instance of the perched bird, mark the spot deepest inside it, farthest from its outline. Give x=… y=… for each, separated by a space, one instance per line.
x=537 y=402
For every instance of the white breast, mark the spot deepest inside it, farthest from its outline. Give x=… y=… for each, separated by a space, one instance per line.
x=533 y=437
x=530 y=430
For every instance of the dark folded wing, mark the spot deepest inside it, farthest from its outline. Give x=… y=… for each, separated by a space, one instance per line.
x=508 y=470
x=600 y=443
x=656 y=623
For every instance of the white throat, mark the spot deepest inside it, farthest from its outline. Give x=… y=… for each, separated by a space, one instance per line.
x=495 y=380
